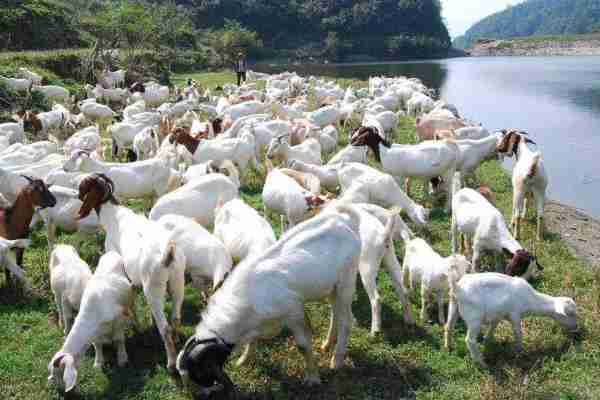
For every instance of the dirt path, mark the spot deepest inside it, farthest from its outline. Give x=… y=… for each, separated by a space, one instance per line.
x=580 y=231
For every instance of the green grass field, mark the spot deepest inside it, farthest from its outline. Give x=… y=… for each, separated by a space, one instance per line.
x=403 y=362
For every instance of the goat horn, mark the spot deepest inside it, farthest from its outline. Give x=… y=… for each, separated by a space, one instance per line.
x=28 y=178
x=527 y=140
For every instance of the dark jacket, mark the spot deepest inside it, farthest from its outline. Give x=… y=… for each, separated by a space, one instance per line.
x=241 y=65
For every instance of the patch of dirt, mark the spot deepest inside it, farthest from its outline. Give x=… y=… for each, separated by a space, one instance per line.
x=577 y=229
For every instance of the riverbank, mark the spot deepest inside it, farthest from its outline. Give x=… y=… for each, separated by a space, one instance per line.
x=402 y=362
x=577 y=45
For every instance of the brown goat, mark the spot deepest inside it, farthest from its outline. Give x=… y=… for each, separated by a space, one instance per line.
x=15 y=220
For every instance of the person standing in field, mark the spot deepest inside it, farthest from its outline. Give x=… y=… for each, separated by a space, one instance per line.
x=240 y=68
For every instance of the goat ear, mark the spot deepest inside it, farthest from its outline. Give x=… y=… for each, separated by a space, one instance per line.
x=70 y=374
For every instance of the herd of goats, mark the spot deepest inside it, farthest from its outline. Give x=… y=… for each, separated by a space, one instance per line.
x=190 y=157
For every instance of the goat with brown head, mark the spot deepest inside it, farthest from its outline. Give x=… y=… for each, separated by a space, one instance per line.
x=522 y=264
x=94 y=191
x=510 y=143
x=181 y=135
x=368 y=136
x=15 y=221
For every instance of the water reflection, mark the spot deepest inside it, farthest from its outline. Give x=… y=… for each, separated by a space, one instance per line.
x=556 y=99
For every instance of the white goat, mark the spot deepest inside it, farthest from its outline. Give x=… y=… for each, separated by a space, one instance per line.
x=286 y=197
x=308 y=151
x=197 y=199
x=243 y=230
x=14 y=131
x=103 y=316
x=53 y=93
x=529 y=176
x=32 y=76
x=350 y=154
x=206 y=258
x=327 y=174
x=474 y=216
x=152 y=260
x=488 y=298
x=422 y=264
x=69 y=275
x=425 y=160
x=363 y=184
x=318 y=259
x=64 y=214
x=145 y=144
x=16 y=84
x=148 y=178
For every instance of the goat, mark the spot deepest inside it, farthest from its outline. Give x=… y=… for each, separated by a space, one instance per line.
x=242 y=229
x=225 y=167
x=326 y=174
x=152 y=260
x=16 y=84
x=350 y=154
x=14 y=131
x=53 y=93
x=271 y=289
x=196 y=199
x=69 y=275
x=145 y=144
x=488 y=298
x=149 y=178
x=309 y=151
x=363 y=184
x=425 y=160
x=474 y=216
x=15 y=220
x=422 y=264
x=106 y=307
x=283 y=195
x=206 y=257
x=529 y=176
x=31 y=76
x=64 y=214
x=241 y=150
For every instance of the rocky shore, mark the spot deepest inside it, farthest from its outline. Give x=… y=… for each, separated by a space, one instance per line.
x=568 y=46
x=577 y=229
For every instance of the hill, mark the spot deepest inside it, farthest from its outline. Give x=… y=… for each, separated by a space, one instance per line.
x=536 y=18
x=331 y=28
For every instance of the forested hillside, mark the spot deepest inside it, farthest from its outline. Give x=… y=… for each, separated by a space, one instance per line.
x=328 y=28
x=536 y=18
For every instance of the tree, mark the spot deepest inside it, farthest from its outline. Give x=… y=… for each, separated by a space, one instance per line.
x=135 y=27
x=231 y=39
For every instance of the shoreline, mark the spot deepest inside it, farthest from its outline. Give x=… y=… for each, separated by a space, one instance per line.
x=577 y=229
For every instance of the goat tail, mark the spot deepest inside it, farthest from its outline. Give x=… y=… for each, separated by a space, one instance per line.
x=456 y=182
x=534 y=165
x=169 y=256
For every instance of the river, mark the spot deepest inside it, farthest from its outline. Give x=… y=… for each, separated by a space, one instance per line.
x=555 y=99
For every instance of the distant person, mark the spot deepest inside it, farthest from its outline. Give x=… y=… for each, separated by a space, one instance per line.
x=240 y=68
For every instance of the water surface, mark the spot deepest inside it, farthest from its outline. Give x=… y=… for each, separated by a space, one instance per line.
x=555 y=99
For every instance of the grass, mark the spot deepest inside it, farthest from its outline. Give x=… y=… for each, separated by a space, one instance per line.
x=403 y=362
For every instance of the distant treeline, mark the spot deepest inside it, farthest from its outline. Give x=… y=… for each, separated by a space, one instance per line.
x=536 y=18
x=335 y=29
